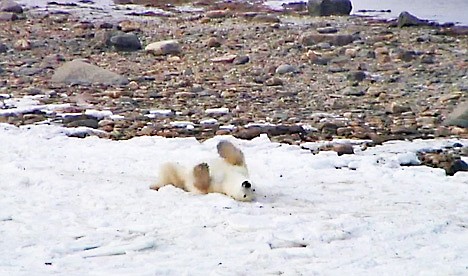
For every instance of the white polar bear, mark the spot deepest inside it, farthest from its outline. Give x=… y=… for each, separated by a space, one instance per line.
x=226 y=174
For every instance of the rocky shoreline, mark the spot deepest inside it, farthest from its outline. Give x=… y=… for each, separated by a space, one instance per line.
x=294 y=77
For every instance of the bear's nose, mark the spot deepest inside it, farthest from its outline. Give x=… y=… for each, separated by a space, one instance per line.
x=246 y=184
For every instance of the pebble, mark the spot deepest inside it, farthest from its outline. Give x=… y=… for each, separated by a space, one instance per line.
x=125 y=42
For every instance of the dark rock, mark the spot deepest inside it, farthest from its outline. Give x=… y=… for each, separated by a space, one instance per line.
x=28 y=71
x=328 y=128
x=284 y=130
x=241 y=60
x=80 y=72
x=248 y=133
x=3 y=48
x=91 y=123
x=329 y=7
x=353 y=91
x=125 y=42
x=10 y=6
x=459 y=116
x=406 y=19
x=457 y=165
x=356 y=76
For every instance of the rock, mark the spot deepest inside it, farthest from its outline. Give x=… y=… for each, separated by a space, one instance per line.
x=213 y=42
x=459 y=116
x=329 y=7
x=91 y=123
x=165 y=47
x=10 y=6
x=80 y=72
x=309 y=39
x=274 y=82
x=8 y=16
x=284 y=130
x=397 y=108
x=327 y=30
x=266 y=18
x=406 y=19
x=238 y=60
x=22 y=44
x=285 y=68
x=248 y=133
x=125 y=42
x=129 y=26
x=457 y=165
x=353 y=91
x=3 y=48
x=356 y=76
x=341 y=149
x=224 y=59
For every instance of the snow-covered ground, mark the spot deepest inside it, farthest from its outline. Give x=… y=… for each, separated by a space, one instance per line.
x=72 y=206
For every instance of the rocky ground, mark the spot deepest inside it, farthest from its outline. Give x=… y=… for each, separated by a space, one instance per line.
x=296 y=78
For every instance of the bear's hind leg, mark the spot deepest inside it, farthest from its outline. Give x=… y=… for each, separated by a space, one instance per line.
x=201 y=173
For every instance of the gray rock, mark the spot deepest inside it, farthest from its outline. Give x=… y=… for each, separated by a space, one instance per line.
x=10 y=6
x=352 y=91
x=3 y=48
x=407 y=19
x=165 y=47
x=356 y=76
x=125 y=42
x=80 y=72
x=327 y=30
x=91 y=123
x=309 y=39
x=329 y=7
x=241 y=60
x=285 y=68
x=8 y=16
x=459 y=116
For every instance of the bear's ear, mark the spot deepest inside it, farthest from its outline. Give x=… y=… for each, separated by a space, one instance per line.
x=230 y=153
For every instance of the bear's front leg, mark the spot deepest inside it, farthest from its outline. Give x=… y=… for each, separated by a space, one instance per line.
x=202 y=179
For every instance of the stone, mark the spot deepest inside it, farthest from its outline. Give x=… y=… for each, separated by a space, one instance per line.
x=125 y=42
x=459 y=116
x=341 y=149
x=285 y=68
x=129 y=26
x=397 y=108
x=8 y=16
x=329 y=7
x=353 y=91
x=327 y=30
x=217 y=13
x=22 y=44
x=165 y=47
x=3 y=48
x=274 y=82
x=266 y=18
x=457 y=165
x=10 y=6
x=80 y=72
x=213 y=42
x=356 y=76
x=239 y=60
x=310 y=39
x=406 y=19
x=91 y=123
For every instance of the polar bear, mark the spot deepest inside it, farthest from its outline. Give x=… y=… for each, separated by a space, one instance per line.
x=226 y=174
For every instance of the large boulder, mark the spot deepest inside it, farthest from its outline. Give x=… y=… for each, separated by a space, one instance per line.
x=79 y=72
x=329 y=7
x=459 y=116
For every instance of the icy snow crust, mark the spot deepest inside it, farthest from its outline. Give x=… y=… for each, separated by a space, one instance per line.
x=73 y=206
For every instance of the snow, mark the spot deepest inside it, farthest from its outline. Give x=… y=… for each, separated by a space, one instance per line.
x=72 y=206
x=220 y=111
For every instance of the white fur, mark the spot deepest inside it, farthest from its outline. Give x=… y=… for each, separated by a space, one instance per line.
x=225 y=178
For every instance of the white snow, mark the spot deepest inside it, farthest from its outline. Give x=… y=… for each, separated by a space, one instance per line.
x=72 y=206
x=99 y=114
